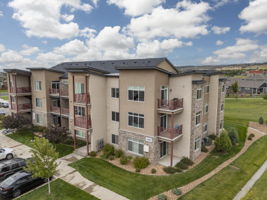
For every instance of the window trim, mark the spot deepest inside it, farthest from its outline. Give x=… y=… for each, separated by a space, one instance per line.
x=198 y=139
x=40 y=101
x=79 y=110
x=199 y=89
x=206 y=106
x=133 y=140
x=115 y=137
x=39 y=88
x=137 y=89
x=116 y=93
x=117 y=116
x=198 y=114
x=76 y=130
x=133 y=115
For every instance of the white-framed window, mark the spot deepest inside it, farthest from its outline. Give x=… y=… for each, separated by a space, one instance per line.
x=206 y=108
x=163 y=120
x=221 y=124
x=197 y=143
x=79 y=88
x=55 y=84
x=136 y=120
x=207 y=89
x=136 y=146
x=136 y=93
x=80 y=133
x=38 y=102
x=199 y=93
x=38 y=85
x=115 y=116
x=164 y=92
x=198 y=118
x=38 y=118
x=222 y=107
x=114 y=139
x=205 y=128
x=79 y=110
x=115 y=92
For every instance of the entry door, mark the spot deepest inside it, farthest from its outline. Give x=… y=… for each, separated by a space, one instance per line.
x=164 y=93
x=163 y=149
x=163 y=121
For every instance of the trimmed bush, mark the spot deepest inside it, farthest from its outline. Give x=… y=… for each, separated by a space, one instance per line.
x=124 y=160
x=233 y=135
x=187 y=161
x=169 y=170
x=176 y=191
x=178 y=170
x=181 y=165
x=111 y=157
x=92 y=154
x=119 y=153
x=223 y=143
x=261 y=120
x=138 y=170
x=108 y=150
x=162 y=197
x=204 y=149
x=129 y=158
x=140 y=162
x=153 y=171
x=251 y=136
x=264 y=96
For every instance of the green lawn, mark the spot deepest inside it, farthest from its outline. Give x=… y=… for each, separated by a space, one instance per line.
x=258 y=192
x=25 y=136
x=4 y=97
x=3 y=91
x=61 y=190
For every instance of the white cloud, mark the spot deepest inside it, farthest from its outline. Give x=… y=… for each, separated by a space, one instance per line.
x=136 y=7
x=187 y=20
x=219 y=42
x=73 y=47
x=41 y=18
x=1 y=13
x=220 y=30
x=2 y=48
x=27 y=50
x=220 y=3
x=255 y=16
x=260 y=55
x=236 y=52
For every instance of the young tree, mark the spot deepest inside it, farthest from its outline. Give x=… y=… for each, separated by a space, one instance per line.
x=223 y=143
x=43 y=163
x=233 y=135
x=16 y=121
x=56 y=134
x=261 y=120
x=234 y=88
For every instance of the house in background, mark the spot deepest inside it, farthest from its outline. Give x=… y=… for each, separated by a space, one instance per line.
x=145 y=107
x=3 y=81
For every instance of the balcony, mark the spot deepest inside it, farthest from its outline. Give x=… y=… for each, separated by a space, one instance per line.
x=82 y=122
x=64 y=92
x=174 y=106
x=65 y=111
x=55 y=109
x=81 y=98
x=54 y=91
x=20 y=90
x=25 y=107
x=170 y=133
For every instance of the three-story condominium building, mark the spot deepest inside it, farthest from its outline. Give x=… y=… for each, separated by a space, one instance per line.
x=145 y=107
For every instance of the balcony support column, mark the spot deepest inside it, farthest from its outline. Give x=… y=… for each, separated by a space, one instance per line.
x=86 y=112
x=172 y=125
x=73 y=90
x=17 y=100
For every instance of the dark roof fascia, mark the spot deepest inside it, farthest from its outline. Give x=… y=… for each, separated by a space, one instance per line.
x=198 y=82
x=18 y=71
x=145 y=68
x=46 y=69
x=85 y=69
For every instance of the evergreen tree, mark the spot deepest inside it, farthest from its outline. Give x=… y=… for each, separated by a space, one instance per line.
x=223 y=143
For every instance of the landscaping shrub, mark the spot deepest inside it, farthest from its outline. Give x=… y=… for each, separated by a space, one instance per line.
x=137 y=170
x=176 y=191
x=140 y=162
x=162 y=197
x=181 y=165
x=223 y=143
x=17 y=121
x=169 y=170
x=56 y=134
x=153 y=171
x=129 y=158
x=108 y=150
x=204 y=149
x=69 y=141
x=124 y=160
x=264 y=96
x=251 y=136
x=213 y=136
x=92 y=154
x=39 y=129
x=187 y=161
x=178 y=170
x=111 y=157
x=233 y=135
x=118 y=153
x=261 y=120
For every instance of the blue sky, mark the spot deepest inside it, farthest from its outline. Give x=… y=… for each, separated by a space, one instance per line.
x=42 y=33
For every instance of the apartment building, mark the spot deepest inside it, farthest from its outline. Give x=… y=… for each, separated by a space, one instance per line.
x=145 y=107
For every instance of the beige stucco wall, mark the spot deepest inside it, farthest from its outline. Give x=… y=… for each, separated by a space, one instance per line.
x=181 y=87
x=166 y=66
x=112 y=105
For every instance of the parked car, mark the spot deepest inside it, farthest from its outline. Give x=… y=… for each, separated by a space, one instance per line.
x=9 y=167
x=8 y=131
x=4 y=104
x=6 y=153
x=19 y=183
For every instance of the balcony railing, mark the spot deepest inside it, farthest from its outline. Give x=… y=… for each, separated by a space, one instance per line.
x=54 y=91
x=170 y=133
x=82 y=122
x=64 y=92
x=55 y=109
x=65 y=111
x=21 y=107
x=81 y=98
x=173 y=104
x=20 y=90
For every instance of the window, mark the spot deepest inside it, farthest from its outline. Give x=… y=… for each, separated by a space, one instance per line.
x=136 y=120
x=115 y=92
x=38 y=85
x=79 y=133
x=38 y=102
x=38 y=118
x=79 y=88
x=197 y=143
x=223 y=88
x=222 y=107
x=55 y=84
x=199 y=93
x=198 y=118
x=114 y=139
x=136 y=93
x=56 y=103
x=221 y=124
x=206 y=127
x=13 y=99
x=206 y=108
x=163 y=120
x=115 y=116
x=207 y=90
x=79 y=111
x=136 y=146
